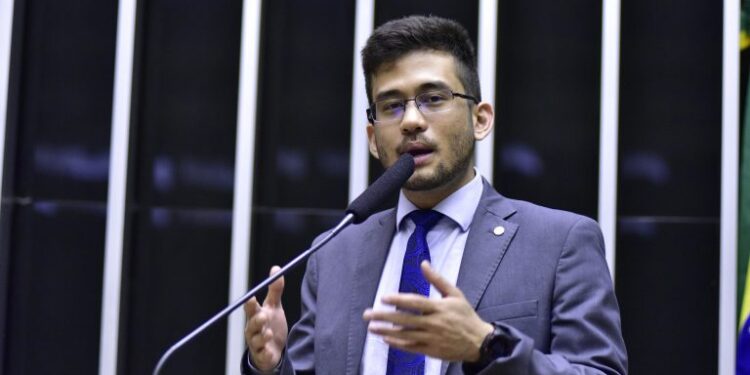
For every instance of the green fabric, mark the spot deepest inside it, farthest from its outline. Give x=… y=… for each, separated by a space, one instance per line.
x=743 y=250
x=743 y=240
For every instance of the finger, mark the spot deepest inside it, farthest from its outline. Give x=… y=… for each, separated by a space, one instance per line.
x=401 y=332
x=404 y=319
x=442 y=285
x=411 y=302
x=251 y=307
x=402 y=344
x=256 y=323
x=273 y=299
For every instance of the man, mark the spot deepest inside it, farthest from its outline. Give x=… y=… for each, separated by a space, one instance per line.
x=456 y=278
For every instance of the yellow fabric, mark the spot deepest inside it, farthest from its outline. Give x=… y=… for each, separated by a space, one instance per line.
x=744 y=42
x=745 y=301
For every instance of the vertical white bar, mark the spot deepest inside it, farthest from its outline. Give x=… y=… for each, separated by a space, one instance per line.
x=6 y=31
x=118 y=163
x=359 y=154
x=487 y=66
x=729 y=188
x=608 y=123
x=243 y=178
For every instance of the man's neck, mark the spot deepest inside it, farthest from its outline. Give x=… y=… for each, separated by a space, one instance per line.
x=427 y=199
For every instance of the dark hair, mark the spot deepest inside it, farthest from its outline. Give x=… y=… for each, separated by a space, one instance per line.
x=396 y=38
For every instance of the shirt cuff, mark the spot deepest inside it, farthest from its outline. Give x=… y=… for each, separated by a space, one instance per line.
x=249 y=369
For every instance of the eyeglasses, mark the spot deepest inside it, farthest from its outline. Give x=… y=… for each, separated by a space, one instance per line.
x=389 y=111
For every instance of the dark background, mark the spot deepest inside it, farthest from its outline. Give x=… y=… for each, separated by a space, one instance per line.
x=181 y=171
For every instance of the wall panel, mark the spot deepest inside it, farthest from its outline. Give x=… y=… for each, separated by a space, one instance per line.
x=181 y=178
x=55 y=289
x=547 y=112
x=54 y=185
x=669 y=181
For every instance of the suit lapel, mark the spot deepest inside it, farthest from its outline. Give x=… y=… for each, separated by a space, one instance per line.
x=370 y=262
x=488 y=240
x=485 y=247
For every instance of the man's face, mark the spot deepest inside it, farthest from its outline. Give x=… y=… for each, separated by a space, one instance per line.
x=442 y=143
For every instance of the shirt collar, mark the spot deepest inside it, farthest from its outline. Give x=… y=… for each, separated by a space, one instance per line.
x=459 y=206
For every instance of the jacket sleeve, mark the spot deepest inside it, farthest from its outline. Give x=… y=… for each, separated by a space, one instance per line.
x=585 y=317
x=299 y=354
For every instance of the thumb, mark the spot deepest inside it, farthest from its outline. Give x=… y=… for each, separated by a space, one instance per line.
x=273 y=299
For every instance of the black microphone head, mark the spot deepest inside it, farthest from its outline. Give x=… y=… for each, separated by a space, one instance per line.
x=386 y=185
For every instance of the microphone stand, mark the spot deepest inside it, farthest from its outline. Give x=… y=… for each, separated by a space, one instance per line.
x=348 y=219
x=362 y=207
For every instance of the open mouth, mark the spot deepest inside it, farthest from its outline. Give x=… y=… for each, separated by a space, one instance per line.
x=416 y=153
x=420 y=152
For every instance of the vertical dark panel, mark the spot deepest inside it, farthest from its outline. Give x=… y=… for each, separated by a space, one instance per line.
x=547 y=113
x=302 y=161
x=304 y=104
x=669 y=184
x=56 y=288
x=179 y=267
x=55 y=183
x=187 y=104
x=63 y=127
x=182 y=176
x=465 y=13
x=668 y=288
x=7 y=204
x=670 y=109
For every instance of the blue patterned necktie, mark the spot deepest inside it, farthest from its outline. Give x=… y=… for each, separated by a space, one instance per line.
x=412 y=281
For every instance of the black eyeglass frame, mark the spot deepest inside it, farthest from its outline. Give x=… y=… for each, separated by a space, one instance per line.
x=371 y=113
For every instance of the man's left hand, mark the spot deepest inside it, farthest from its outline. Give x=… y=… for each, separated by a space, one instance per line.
x=447 y=328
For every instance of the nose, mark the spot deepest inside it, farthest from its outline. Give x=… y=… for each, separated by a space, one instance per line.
x=413 y=120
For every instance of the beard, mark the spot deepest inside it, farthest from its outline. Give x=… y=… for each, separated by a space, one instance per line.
x=460 y=155
x=448 y=171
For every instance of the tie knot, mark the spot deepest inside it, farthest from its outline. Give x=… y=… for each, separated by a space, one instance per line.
x=425 y=219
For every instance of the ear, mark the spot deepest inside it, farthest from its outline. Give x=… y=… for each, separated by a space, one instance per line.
x=371 y=141
x=484 y=120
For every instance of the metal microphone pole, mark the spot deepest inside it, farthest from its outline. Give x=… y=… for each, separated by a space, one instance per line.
x=348 y=219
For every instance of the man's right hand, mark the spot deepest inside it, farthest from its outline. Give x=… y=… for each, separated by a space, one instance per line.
x=266 y=328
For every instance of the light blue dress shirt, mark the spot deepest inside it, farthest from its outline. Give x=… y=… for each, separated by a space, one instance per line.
x=446 y=242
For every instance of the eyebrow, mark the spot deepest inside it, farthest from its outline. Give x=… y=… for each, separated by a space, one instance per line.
x=427 y=86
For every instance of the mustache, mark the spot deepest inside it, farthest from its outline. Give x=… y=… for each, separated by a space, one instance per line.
x=405 y=142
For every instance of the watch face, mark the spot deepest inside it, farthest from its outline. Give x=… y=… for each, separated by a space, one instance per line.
x=498 y=345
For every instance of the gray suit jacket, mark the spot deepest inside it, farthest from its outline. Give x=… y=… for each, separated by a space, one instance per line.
x=545 y=279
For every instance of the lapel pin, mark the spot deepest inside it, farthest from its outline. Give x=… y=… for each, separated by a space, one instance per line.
x=499 y=230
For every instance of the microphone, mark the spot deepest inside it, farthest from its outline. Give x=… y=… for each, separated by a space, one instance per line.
x=383 y=187
x=358 y=211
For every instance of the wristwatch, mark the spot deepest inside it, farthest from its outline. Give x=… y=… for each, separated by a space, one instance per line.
x=495 y=345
